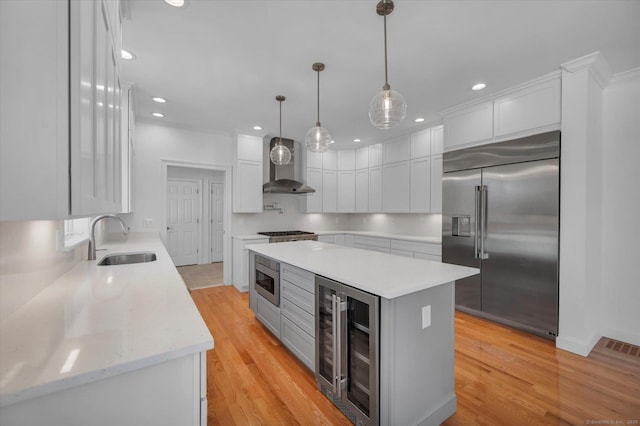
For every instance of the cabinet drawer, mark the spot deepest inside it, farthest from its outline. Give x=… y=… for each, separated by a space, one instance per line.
x=268 y=315
x=303 y=279
x=297 y=295
x=401 y=253
x=371 y=241
x=299 y=316
x=299 y=343
x=372 y=248
x=416 y=247
x=435 y=258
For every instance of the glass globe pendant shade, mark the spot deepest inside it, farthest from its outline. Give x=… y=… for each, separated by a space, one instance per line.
x=317 y=139
x=280 y=155
x=387 y=109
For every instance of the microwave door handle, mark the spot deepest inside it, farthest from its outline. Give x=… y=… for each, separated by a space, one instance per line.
x=478 y=215
x=483 y=207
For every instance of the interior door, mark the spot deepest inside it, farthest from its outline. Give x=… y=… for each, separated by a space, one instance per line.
x=183 y=222
x=217 y=222
x=459 y=210
x=520 y=273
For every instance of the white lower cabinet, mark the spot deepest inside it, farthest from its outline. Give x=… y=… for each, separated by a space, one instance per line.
x=240 y=258
x=169 y=393
x=331 y=239
x=372 y=243
x=268 y=314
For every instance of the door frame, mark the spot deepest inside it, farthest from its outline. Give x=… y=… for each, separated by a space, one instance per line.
x=211 y=233
x=226 y=247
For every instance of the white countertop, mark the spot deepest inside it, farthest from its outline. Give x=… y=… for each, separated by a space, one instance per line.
x=433 y=240
x=382 y=274
x=110 y=319
x=251 y=237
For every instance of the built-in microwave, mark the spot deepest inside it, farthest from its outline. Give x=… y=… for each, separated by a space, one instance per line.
x=267 y=282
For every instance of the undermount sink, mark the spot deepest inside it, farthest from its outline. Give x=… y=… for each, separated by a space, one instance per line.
x=127 y=258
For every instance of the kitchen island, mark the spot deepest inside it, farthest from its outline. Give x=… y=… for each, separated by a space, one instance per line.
x=414 y=343
x=106 y=345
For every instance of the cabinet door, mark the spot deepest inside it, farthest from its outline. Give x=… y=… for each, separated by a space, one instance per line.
x=470 y=126
x=362 y=158
x=396 y=187
x=346 y=159
x=398 y=149
x=436 y=184
x=250 y=148
x=314 y=159
x=421 y=185
x=375 y=155
x=329 y=191
x=375 y=189
x=314 y=200
x=421 y=143
x=248 y=189
x=531 y=108
x=346 y=191
x=362 y=190
x=330 y=160
x=437 y=140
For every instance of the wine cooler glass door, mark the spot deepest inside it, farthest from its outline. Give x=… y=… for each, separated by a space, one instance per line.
x=326 y=333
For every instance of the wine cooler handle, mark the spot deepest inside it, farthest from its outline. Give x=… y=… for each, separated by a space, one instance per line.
x=337 y=359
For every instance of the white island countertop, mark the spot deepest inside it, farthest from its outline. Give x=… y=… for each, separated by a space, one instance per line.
x=96 y=322
x=382 y=274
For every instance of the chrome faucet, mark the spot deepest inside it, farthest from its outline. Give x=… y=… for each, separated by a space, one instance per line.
x=91 y=255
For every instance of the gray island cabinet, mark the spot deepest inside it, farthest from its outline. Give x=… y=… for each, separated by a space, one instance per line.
x=409 y=327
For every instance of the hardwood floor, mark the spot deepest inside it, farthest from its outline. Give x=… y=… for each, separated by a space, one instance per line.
x=503 y=376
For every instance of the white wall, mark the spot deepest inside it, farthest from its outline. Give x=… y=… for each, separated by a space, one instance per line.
x=154 y=143
x=620 y=289
x=29 y=261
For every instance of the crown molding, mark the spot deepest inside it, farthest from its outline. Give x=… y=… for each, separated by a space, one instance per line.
x=595 y=64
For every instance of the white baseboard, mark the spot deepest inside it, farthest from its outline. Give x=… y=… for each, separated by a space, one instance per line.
x=577 y=346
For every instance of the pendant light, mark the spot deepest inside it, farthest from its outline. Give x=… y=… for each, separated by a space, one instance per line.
x=317 y=138
x=280 y=154
x=388 y=108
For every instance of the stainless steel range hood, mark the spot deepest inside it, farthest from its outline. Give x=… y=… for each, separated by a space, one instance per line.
x=284 y=179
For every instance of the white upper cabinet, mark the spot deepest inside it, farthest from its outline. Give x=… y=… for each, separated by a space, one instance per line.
x=398 y=149
x=533 y=107
x=421 y=143
x=375 y=189
x=362 y=158
x=346 y=191
x=420 y=185
x=375 y=155
x=436 y=184
x=329 y=191
x=330 y=160
x=530 y=108
x=313 y=201
x=248 y=175
x=347 y=159
x=314 y=159
x=362 y=190
x=437 y=140
x=396 y=183
x=61 y=148
x=467 y=126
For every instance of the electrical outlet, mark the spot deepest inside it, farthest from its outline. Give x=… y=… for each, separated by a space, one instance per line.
x=426 y=316
x=147 y=223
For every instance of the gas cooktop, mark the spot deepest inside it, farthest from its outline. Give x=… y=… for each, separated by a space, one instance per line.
x=281 y=236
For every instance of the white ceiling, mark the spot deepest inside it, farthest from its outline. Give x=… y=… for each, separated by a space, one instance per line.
x=221 y=63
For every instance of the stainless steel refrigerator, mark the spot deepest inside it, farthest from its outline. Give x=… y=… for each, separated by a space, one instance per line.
x=500 y=213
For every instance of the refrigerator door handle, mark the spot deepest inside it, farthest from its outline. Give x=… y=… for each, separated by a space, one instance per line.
x=478 y=214
x=483 y=228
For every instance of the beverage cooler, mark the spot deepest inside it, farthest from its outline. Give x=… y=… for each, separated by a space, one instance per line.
x=347 y=349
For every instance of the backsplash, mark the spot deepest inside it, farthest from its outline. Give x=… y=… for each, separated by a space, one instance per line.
x=29 y=261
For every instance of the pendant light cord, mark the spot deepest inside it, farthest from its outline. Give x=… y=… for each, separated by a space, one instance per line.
x=318 y=103
x=386 y=77
x=280 y=138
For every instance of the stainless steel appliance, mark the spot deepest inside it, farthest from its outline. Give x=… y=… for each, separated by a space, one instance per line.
x=500 y=206
x=347 y=349
x=284 y=179
x=267 y=282
x=283 y=236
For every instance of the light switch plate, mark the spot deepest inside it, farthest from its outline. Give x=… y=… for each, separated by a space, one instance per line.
x=426 y=316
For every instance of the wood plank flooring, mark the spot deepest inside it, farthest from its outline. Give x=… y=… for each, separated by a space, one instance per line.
x=503 y=376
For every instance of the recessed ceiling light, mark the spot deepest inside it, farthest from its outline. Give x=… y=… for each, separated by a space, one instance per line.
x=257 y=128
x=356 y=140
x=125 y=54
x=479 y=86
x=159 y=100
x=157 y=114
x=175 y=3
x=419 y=120
x=332 y=141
